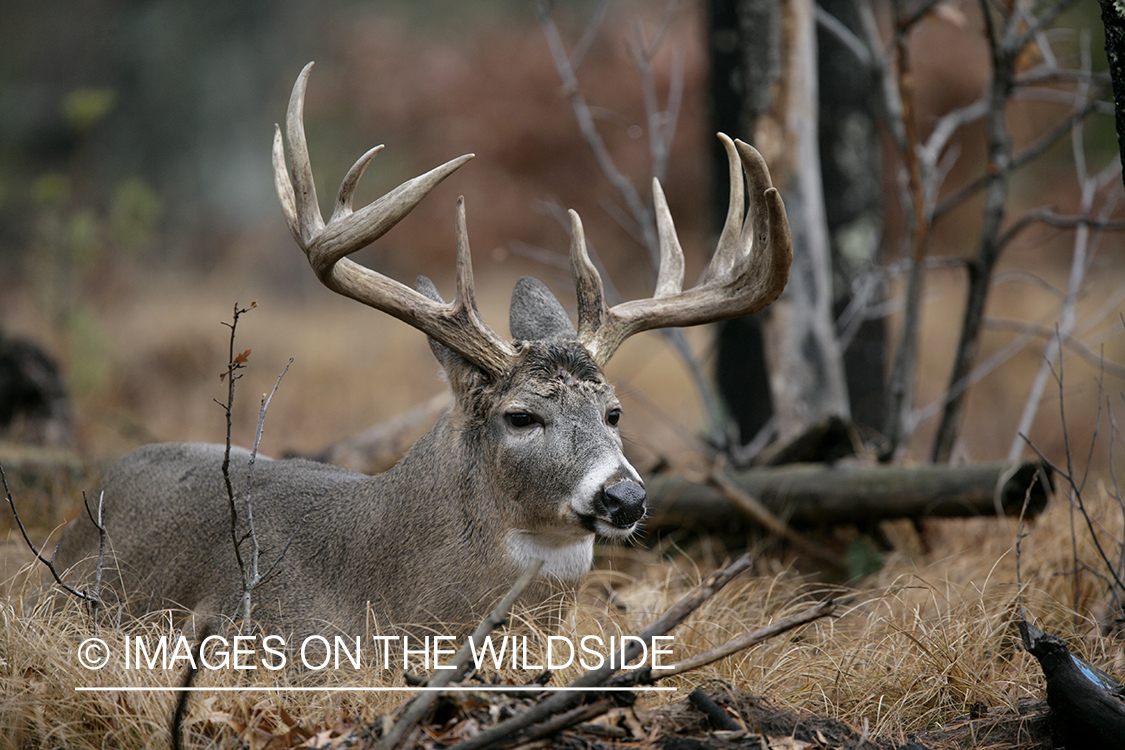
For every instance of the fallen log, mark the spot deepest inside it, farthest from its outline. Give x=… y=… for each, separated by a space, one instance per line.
x=806 y=495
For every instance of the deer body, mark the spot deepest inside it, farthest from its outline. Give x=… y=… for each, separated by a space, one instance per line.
x=433 y=541
x=527 y=463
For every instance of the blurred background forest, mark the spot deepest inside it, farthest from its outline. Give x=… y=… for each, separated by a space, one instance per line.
x=137 y=205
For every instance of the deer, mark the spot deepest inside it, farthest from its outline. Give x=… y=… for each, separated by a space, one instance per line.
x=526 y=464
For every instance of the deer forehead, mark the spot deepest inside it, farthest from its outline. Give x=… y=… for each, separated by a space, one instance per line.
x=553 y=369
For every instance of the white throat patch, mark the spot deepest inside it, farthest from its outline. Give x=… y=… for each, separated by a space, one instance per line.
x=568 y=558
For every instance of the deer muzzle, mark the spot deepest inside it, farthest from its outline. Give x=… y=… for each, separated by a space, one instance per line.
x=622 y=504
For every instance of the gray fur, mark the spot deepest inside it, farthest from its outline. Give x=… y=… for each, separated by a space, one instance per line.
x=433 y=542
x=536 y=314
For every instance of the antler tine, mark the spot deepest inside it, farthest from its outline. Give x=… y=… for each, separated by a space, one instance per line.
x=731 y=239
x=346 y=193
x=748 y=271
x=592 y=310
x=465 y=302
x=457 y=324
x=670 y=275
x=304 y=217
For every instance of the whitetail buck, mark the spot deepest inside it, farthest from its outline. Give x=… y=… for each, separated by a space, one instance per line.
x=527 y=463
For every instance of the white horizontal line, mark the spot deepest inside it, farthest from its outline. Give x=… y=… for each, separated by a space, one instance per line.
x=366 y=689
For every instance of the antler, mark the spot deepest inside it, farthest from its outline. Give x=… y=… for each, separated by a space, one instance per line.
x=457 y=324
x=747 y=272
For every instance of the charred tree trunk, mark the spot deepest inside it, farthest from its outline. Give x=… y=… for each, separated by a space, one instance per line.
x=836 y=229
x=1113 y=17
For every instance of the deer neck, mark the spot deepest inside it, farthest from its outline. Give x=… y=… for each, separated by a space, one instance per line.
x=564 y=556
x=442 y=471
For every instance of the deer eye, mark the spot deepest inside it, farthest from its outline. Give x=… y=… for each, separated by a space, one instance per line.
x=520 y=419
x=613 y=416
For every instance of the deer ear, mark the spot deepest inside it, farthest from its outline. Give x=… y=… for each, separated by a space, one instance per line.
x=536 y=314
x=454 y=365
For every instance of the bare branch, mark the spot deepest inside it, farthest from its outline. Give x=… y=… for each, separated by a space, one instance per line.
x=1077 y=486
x=906 y=22
x=90 y=599
x=760 y=514
x=645 y=675
x=1060 y=221
x=234 y=365
x=901 y=384
x=563 y=701
x=582 y=46
x=251 y=580
x=422 y=702
x=1068 y=340
x=589 y=130
x=864 y=54
x=1029 y=154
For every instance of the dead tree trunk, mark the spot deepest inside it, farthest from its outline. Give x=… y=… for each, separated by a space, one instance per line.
x=1113 y=17
x=815 y=495
x=766 y=68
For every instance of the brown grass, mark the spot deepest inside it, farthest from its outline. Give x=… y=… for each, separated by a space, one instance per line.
x=912 y=647
x=915 y=645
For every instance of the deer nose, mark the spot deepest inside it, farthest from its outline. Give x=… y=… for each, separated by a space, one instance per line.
x=622 y=503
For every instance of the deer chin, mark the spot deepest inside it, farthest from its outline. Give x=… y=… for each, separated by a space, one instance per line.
x=564 y=556
x=606 y=528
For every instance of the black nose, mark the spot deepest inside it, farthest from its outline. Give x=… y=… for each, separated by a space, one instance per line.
x=622 y=503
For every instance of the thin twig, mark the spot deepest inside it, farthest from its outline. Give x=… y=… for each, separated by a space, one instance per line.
x=901 y=384
x=563 y=701
x=557 y=723
x=1004 y=52
x=234 y=364
x=589 y=130
x=1076 y=488
x=1081 y=250
x=99 y=524
x=646 y=675
x=1068 y=340
x=640 y=213
x=442 y=677
x=753 y=508
x=1028 y=155
x=92 y=600
x=251 y=581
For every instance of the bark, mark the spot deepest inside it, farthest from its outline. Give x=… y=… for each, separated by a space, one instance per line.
x=816 y=495
x=850 y=163
x=789 y=364
x=1113 y=17
x=806 y=365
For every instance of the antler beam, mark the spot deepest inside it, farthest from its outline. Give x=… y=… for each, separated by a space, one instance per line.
x=457 y=324
x=747 y=272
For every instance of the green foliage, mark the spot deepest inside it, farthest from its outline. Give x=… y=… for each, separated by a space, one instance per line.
x=863 y=558
x=85 y=107
x=90 y=363
x=133 y=214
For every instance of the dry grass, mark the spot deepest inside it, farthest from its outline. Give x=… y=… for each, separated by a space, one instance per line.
x=914 y=646
x=918 y=643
